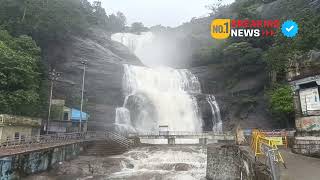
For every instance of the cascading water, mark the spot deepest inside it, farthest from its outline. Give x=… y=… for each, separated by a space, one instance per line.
x=123 y=122
x=160 y=96
x=216 y=117
x=167 y=90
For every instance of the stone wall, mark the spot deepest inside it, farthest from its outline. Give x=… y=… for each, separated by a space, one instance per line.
x=307 y=143
x=21 y=165
x=222 y=162
x=231 y=162
x=307 y=121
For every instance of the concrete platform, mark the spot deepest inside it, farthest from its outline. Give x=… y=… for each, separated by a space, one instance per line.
x=299 y=167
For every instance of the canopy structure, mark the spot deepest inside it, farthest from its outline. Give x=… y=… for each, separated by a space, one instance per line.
x=75 y=115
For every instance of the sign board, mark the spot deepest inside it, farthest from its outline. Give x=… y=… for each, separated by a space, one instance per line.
x=276 y=140
x=309 y=100
x=309 y=123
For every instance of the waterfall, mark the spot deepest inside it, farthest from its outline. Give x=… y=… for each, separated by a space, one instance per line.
x=123 y=122
x=216 y=116
x=138 y=44
x=160 y=96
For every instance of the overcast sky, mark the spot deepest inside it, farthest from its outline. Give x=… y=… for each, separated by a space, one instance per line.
x=153 y=12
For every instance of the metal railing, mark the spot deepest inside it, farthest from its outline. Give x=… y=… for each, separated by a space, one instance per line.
x=261 y=145
x=63 y=138
x=272 y=161
x=120 y=139
x=180 y=133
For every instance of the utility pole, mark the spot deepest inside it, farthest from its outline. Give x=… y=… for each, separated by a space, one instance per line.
x=53 y=76
x=84 y=63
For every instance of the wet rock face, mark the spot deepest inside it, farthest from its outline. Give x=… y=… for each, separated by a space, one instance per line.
x=181 y=167
x=205 y=111
x=142 y=110
x=86 y=167
x=103 y=92
x=242 y=103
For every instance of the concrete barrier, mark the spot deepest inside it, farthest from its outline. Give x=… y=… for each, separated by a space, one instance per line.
x=231 y=162
x=20 y=165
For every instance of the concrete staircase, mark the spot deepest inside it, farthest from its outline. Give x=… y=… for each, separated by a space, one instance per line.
x=114 y=144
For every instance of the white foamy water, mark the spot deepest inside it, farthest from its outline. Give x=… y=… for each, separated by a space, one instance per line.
x=159 y=96
x=187 y=163
x=141 y=163
x=167 y=90
x=216 y=116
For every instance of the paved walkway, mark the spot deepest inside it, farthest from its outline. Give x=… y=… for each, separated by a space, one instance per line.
x=33 y=147
x=300 y=167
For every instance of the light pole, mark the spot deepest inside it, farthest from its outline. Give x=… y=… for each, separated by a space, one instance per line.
x=84 y=63
x=53 y=76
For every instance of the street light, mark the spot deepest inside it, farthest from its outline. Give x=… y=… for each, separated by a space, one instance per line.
x=84 y=63
x=53 y=76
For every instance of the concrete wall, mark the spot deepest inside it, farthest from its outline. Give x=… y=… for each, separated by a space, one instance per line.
x=307 y=145
x=231 y=162
x=307 y=137
x=19 y=166
x=222 y=162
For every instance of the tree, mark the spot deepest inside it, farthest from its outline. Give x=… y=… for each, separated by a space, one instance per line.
x=281 y=102
x=214 y=8
x=117 y=22
x=97 y=15
x=242 y=58
x=19 y=75
x=56 y=20
x=138 y=27
x=122 y=19
x=158 y=28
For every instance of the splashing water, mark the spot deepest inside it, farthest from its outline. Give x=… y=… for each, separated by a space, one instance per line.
x=141 y=163
x=188 y=163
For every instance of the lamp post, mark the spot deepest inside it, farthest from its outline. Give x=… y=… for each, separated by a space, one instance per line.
x=84 y=63
x=53 y=76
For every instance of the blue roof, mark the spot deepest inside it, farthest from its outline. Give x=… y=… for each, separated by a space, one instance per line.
x=75 y=115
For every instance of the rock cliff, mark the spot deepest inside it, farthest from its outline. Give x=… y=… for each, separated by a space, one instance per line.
x=103 y=75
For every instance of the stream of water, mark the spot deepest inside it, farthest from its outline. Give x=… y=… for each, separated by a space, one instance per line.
x=142 y=163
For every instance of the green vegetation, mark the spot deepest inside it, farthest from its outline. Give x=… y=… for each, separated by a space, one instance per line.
x=138 y=27
x=281 y=103
x=56 y=19
x=24 y=24
x=20 y=79
x=281 y=99
x=244 y=57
